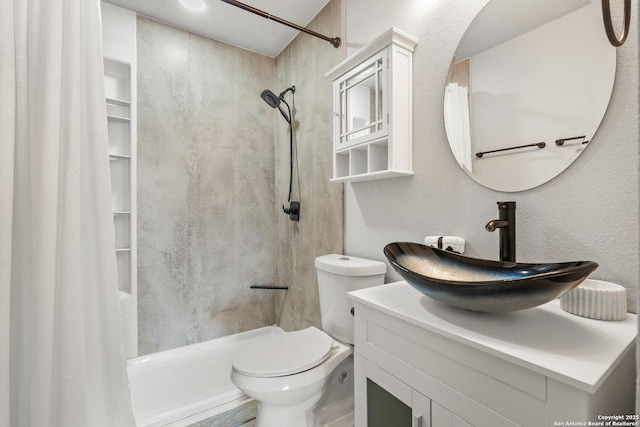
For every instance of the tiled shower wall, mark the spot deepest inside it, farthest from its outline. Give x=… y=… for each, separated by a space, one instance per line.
x=205 y=188
x=320 y=231
x=212 y=175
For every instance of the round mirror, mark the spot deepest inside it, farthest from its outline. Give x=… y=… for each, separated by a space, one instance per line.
x=527 y=89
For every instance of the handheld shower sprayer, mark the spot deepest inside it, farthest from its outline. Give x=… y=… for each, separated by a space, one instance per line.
x=275 y=102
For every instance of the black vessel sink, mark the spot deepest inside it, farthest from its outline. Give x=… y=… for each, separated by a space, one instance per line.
x=483 y=285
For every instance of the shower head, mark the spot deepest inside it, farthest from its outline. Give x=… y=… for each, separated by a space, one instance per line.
x=275 y=101
x=270 y=98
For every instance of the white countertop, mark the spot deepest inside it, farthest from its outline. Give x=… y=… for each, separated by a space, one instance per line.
x=545 y=339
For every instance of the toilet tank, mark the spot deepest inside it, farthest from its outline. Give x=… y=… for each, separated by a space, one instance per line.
x=337 y=275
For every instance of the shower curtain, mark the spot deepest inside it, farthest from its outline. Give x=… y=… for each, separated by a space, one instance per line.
x=61 y=350
x=457 y=124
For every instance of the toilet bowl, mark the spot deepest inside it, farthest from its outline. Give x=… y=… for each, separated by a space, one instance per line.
x=305 y=378
x=288 y=391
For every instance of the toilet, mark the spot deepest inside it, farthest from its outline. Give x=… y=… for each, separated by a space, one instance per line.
x=305 y=377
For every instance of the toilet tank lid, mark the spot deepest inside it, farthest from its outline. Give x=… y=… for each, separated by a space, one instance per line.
x=347 y=265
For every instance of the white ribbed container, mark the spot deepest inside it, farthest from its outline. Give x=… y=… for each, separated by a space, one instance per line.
x=596 y=299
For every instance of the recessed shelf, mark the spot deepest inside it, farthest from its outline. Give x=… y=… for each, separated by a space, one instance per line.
x=118 y=102
x=123 y=260
x=117 y=78
x=118 y=119
x=122 y=225
x=119 y=132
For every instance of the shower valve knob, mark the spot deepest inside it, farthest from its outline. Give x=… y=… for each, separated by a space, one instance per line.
x=293 y=211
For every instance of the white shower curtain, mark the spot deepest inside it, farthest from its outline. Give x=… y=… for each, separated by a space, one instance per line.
x=457 y=124
x=61 y=349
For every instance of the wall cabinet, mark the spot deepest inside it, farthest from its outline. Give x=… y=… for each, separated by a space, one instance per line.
x=450 y=367
x=372 y=110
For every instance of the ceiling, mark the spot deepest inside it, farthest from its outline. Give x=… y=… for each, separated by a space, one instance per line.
x=503 y=20
x=230 y=24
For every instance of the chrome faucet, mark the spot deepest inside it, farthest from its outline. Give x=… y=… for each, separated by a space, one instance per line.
x=506 y=222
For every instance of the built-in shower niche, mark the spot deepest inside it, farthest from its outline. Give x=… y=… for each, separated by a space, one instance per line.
x=118 y=97
x=120 y=126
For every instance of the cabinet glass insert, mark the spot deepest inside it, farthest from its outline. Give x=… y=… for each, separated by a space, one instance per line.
x=361 y=108
x=385 y=410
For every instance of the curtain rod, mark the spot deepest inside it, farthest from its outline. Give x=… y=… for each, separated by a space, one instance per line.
x=335 y=41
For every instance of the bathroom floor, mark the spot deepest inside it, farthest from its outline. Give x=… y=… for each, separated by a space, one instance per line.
x=234 y=418
x=223 y=423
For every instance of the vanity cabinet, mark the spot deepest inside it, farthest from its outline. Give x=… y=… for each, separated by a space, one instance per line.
x=372 y=111
x=450 y=367
x=387 y=401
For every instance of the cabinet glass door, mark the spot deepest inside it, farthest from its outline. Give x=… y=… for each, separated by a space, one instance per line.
x=384 y=409
x=362 y=110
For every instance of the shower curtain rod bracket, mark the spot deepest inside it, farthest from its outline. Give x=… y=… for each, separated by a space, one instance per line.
x=335 y=41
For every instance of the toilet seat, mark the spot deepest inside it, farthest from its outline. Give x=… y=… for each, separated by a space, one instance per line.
x=283 y=354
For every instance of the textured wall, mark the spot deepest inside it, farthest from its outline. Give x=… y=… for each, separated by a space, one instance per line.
x=319 y=232
x=205 y=188
x=588 y=212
